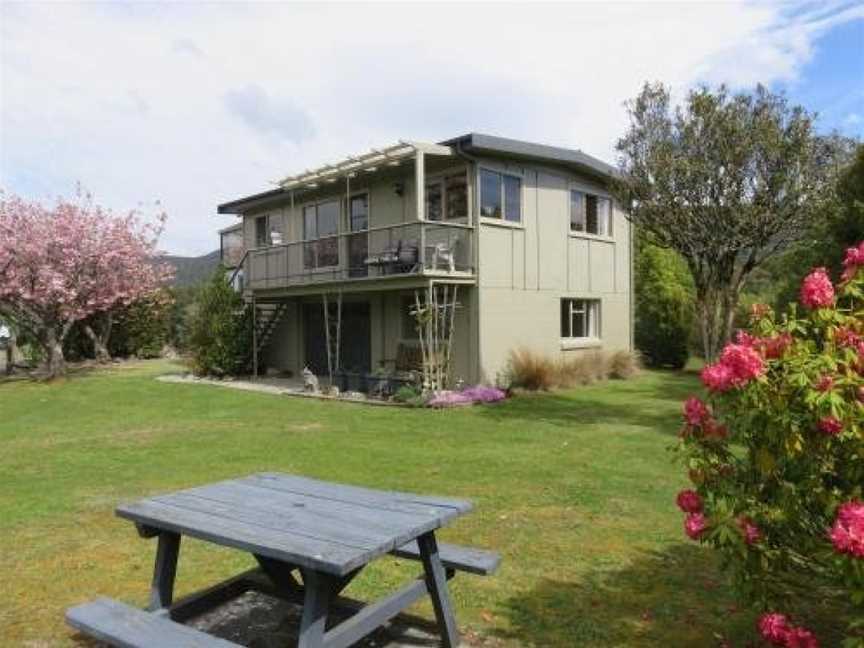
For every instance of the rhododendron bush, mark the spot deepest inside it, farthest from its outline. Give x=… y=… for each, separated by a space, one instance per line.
x=776 y=457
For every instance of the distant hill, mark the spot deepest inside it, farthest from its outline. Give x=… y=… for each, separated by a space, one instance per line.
x=190 y=271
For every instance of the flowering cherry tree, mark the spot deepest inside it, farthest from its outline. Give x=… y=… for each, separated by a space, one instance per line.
x=776 y=457
x=63 y=264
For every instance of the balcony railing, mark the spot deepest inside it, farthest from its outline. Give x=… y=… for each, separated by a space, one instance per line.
x=380 y=252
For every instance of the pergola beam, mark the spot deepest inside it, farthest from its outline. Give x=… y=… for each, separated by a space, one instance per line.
x=392 y=156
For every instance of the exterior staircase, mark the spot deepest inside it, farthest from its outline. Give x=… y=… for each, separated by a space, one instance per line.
x=268 y=316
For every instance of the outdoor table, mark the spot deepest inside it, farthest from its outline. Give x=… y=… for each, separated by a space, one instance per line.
x=326 y=531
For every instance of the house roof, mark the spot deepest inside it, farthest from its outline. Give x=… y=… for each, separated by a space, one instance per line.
x=479 y=143
x=470 y=143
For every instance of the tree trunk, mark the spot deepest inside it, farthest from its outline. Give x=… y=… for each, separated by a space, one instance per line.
x=11 y=352
x=100 y=346
x=53 y=345
x=716 y=310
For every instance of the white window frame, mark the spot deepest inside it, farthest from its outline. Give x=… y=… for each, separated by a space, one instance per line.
x=591 y=309
x=606 y=228
x=503 y=218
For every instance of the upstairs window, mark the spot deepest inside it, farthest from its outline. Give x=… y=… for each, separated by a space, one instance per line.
x=434 y=201
x=590 y=213
x=320 y=226
x=447 y=198
x=580 y=318
x=456 y=196
x=262 y=235
x=500 y=196
x=359 y=213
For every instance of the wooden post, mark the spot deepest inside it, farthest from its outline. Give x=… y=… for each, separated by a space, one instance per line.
x=254 y=338
x=326 y=305
x=164 y=571
x=436 y=583
x=420 y=182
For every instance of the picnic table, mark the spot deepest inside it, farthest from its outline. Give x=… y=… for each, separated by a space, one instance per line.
x=325 y=531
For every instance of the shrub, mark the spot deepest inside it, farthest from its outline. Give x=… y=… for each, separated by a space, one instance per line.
x=534 y=371
x=220 y=331
x=530 y=370
x=624 y=365
x=777 y=455
x=664 y=307
x=406 y=394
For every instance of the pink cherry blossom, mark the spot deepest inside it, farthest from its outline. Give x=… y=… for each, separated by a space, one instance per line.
x=63 y=264
x=847 y=534
x=695 y=524
x=689 y=501
x=817 y=290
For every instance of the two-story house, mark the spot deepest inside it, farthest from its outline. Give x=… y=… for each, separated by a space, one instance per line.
x=529 y=234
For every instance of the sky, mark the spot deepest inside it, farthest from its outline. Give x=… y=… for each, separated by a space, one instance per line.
x=193 y=104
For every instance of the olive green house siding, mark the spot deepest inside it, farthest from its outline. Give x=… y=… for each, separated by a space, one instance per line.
x=530 y=271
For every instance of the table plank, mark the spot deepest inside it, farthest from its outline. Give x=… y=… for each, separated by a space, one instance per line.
x=293 y=548
x=325 y=519
x=330 y=527
x=368 y=497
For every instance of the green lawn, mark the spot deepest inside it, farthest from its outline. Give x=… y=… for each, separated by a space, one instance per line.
x=574 y=489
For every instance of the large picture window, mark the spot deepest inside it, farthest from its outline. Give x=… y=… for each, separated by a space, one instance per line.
x=580 y=318
x=500 y=196
x=590 y=213
x=320 y=226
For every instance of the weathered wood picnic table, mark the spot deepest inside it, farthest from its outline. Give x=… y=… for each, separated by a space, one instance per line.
x=325 y=531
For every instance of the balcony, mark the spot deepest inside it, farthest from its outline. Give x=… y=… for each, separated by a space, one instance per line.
x=378 y=254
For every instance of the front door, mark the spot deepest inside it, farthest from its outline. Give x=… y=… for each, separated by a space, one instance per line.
x=356 y=334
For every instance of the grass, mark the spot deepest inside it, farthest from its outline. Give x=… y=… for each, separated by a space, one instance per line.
x=574 y=488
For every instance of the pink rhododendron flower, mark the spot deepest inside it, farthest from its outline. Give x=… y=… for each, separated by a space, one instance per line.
x=738 y=365
x=847 y=534
x=854 y=260
x=830 y=426
x=695 y=525
x=715 y=430
x=717 y=377
x=775 y=347
x=800 y=638
x=752 y=533
x=817 y=290
x=744 y=362
x=774 y=627
x=825 y=383
x=689 y=501
x=695 y=411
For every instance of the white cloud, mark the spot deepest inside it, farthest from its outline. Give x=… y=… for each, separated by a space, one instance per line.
x=197 y=104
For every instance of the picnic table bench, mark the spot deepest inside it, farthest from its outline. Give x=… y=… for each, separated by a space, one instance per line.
x=325 y=531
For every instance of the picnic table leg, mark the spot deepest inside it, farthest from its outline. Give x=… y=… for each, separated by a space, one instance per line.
x=164 y=572
x=318 y=590
x=436 y=583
